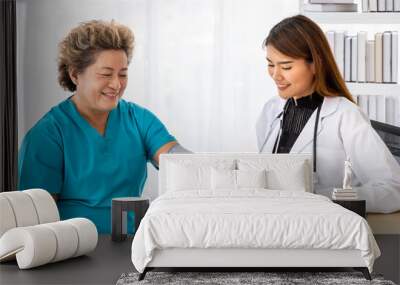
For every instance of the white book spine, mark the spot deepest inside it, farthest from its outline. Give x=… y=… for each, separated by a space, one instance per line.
x=378 y=57
x=330 y=36
x=387 y=46
x=361 y=55
x=354 y=58
x=339 y=50
x=347 y=59
x=390 y=110
x=370 y=61
x=381 y=108
x=381 y=5
x=389 y=5
x=364 y=6
x=373 y=5
x=372 y=107
x=396 y=5
x=397 y=111
x=395 y=56
x=363 y=104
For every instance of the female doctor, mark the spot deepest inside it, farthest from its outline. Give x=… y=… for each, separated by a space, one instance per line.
x=315 y=113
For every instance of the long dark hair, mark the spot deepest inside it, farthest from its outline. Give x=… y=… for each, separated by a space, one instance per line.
x=300 y=37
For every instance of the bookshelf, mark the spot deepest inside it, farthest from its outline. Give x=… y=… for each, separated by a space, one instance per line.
x=357 y=19
x=373 y=88
x=354 y=18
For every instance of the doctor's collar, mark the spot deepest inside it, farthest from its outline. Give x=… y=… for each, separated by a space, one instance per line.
x=309 y=102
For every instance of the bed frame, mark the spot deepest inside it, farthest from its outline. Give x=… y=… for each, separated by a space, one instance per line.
x=233 y=259
x=249 y=259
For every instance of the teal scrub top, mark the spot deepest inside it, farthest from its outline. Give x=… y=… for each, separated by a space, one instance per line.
x=65 y=155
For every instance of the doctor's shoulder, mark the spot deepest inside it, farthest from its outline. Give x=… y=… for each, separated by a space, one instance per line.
x=272 y=108
x=351 y=115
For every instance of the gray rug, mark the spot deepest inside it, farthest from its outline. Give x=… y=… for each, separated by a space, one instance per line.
x=270 y=278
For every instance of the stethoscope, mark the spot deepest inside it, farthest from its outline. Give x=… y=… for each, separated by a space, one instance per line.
x=281 y=116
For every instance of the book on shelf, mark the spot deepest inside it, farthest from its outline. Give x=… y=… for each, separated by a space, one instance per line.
x=363 y=104
x=373 y=5
x=389 y=5
x=362 y=60
x=330 y=36
x=361 y=55
x=354 y=57
x=372 y=107
x=382 y=108
x=347 y=58
x=364 y=6
x=387 y=57
x=396 y=5
x=370 y=61
x=378 y=57
x=330 y=7
x=381 y=5
x=395 y=56
x=390 y=110
x=339 y=50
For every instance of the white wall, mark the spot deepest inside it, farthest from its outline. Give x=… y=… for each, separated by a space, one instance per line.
x=198 y=64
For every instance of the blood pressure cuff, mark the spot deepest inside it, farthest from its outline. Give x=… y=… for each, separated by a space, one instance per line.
x=177 y=148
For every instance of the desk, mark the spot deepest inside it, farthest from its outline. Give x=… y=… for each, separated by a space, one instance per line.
x=104 y=265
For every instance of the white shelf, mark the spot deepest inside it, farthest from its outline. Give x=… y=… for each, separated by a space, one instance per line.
x=354 y=18
x=373 y=88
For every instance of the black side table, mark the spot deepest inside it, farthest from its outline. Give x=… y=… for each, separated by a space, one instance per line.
x=120 y=207
x=357 y=206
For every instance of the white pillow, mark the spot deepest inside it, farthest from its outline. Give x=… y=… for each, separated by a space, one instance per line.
x=183 y=177
x=223 y=179
x=251 y=178
x=282 y=173
x=188 y=174
x=237 y=179
x=292 y=179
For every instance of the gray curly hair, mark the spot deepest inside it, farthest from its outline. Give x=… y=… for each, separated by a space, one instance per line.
x=79 y=48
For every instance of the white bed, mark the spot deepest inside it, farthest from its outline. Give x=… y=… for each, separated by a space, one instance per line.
x=209 y=215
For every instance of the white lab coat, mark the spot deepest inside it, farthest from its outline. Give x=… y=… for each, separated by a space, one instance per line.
x=343 y=131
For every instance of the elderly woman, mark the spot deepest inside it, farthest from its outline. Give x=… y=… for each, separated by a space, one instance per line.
x=93 y=146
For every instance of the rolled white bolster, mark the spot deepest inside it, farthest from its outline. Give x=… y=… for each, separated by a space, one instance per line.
x=33 y=246
x=7 y=218
x=40 y=244
x=87 y=235
x=45 y=205
x=23 y=208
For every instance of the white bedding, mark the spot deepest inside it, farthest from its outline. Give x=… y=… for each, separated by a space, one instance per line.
x=250 y=218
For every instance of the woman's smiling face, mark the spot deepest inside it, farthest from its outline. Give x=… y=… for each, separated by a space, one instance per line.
x=293 y=77
x=101 y=85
